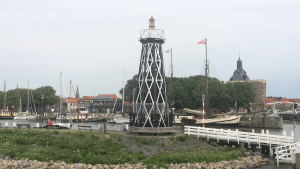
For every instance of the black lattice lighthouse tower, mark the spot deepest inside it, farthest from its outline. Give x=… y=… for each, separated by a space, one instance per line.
x=151 y=109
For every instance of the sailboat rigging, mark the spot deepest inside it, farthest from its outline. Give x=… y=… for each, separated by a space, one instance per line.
x=25 y=115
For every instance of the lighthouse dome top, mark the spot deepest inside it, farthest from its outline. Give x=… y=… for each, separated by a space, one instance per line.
x=151 y=19
x=151 y=23
x=152 y=32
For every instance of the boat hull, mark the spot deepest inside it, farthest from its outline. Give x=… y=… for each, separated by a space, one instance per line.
x=25 y=117
x=6 y=117
x=230 y=122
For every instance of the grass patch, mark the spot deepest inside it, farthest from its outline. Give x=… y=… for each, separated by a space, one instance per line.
x=77 y=147
x=181 y=137
x=141 y=140
x=190 y=156
x=95 y=148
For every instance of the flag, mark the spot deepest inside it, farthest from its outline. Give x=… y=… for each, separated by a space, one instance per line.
x=168 y=51
x=201 y=42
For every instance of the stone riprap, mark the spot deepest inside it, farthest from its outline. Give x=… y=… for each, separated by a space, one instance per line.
x=245 y=162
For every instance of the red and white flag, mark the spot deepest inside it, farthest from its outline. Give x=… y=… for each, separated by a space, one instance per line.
x=201 y=42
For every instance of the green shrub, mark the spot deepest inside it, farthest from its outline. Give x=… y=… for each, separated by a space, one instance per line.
x=152 y=140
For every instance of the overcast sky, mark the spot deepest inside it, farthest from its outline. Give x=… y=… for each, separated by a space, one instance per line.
x=93 y=42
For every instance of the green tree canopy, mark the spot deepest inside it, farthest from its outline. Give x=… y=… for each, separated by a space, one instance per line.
x=14 y=96
x=188 y=92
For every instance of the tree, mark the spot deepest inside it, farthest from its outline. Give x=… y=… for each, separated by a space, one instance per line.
x=241 y=92
x=129 y=86
x=13 y=97
x=188 y=92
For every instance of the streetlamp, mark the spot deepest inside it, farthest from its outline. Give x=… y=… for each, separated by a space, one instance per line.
x=42 y=109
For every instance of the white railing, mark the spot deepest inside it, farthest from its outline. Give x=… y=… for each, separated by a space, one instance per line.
x=238 y=136
x=286 y=154
x=285 y=147
x=152 y=33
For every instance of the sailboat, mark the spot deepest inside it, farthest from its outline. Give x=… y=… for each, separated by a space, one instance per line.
x=60 y=124
x=190 y=120
x=118 y=119
x=5 y=114
x=25 y=115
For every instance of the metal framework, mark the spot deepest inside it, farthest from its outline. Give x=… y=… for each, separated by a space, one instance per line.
x=151 y=107
x=152 y=33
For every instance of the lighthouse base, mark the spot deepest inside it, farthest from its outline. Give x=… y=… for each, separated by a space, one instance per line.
x=151 y=130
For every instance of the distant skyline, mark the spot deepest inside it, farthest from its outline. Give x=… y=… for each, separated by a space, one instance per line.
x=93 y=42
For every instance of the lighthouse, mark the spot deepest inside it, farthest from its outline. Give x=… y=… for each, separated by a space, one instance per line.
x=151 y=113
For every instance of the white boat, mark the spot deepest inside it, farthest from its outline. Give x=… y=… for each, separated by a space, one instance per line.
x=84 y=110
x=63 y=125
x=24 y=116
x=121 y=120
x=60 y=116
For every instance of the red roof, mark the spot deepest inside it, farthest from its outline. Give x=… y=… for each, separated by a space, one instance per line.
x=88 y=97
x=151 y=19
x=271 y=100
x=72 y=100
x=111 y=96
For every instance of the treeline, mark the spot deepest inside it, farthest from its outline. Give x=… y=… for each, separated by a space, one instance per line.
x=13 y=98
x=188 y=92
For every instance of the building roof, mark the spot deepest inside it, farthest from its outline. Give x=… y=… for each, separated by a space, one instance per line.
x=88 y=97
x=107 y=96
x=72 y=100
x=239 y=73
x=271 y=100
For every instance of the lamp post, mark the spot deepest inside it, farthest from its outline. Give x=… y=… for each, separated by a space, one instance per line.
x=42 y=109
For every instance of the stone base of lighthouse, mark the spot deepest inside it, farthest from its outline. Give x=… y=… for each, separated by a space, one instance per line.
x=151 y=130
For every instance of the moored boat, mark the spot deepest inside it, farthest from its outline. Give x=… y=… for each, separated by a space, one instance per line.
x=24 y=116
x=8 y=115
x=224 y=121
x=121 y=120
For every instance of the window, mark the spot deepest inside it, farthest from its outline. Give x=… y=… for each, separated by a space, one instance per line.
x=257 y=109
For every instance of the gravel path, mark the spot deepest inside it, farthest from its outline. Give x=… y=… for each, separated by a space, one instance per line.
x=244 y=163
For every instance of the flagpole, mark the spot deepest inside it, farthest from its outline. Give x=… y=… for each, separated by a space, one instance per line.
x=206 y=81
x=172 y=90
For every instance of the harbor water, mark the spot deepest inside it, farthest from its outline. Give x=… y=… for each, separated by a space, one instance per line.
x=94 y=125
x=288 y=126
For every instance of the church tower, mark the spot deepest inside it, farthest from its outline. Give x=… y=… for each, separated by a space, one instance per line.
x=239 y=73
x=77 y=92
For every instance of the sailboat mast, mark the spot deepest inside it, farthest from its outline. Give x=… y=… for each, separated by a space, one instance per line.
x=70 y=101
x=28 y=98
x=206 y=82
x=60 y=102
x=4 y=99
x=172 y=89
x=18 y=97
x=123 y=93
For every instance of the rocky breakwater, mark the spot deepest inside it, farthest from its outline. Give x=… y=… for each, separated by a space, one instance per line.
x=246 y=162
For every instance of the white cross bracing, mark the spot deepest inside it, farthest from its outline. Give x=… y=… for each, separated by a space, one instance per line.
x=147 y=79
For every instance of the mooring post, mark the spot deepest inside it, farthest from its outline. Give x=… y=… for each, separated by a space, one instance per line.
x=297 y=156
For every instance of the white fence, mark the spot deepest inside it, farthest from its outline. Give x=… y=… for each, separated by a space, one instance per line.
x=286 y=154
x=284 y=145
x=238 y=136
